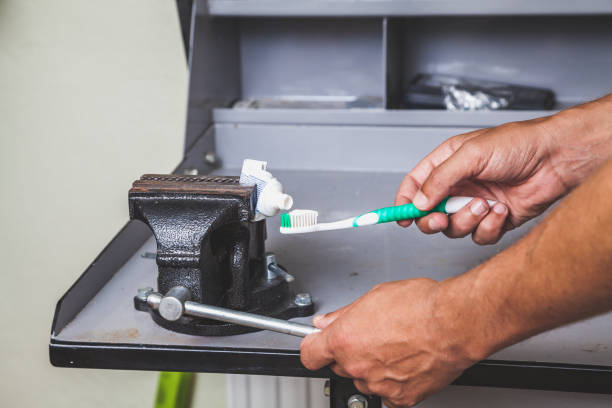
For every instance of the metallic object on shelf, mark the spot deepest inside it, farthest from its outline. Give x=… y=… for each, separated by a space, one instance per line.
x=454 y=93
x=176 y=304
x=209 y=244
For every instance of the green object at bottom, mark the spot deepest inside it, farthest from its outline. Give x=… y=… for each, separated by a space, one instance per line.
x=406 y=212
x=174 y=390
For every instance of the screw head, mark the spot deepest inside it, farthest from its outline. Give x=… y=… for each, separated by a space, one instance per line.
x=211 y=158
x=143 y=293
x=303 y=299
x=191 y=172
x=357 y=401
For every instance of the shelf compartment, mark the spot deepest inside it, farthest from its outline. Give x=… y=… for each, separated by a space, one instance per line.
x=570 y=55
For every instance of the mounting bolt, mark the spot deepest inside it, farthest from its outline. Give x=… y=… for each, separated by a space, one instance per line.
x=327 y=388
x=274 y=270
x=270 y=259
x=211 y=159
x=270 y=266
x=303 y=299
x=143 y=293
x=191 y=172
x=357 y=401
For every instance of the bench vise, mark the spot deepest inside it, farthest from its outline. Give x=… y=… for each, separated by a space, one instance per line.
x=209 y=241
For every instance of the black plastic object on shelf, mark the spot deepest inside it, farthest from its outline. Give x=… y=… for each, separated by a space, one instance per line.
x=428 y=91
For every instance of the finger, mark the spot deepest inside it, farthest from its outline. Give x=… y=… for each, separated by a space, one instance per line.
x=338 y=369
x=405 y=192
x=389 y=403
x=432 y=223
x=413 y=180
x=490 y=229
x=315 y=351
x=404 y=223
x=386 y=388
x=362 y=387
x=465 y=163
x=466 y=220
x=322 y=321
x=440 y=154
x=417 y=176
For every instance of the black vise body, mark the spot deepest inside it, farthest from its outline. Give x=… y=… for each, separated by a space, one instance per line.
x=206 y=240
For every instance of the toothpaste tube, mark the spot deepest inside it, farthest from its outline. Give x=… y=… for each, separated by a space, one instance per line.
x=270 y=197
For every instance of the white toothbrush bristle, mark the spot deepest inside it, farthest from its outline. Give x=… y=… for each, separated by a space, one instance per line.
x=303 y=218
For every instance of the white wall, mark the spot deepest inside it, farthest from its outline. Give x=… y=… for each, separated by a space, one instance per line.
x=92 y=95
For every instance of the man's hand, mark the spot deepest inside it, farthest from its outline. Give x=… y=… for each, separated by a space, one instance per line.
x=525 y=166
x=407 y=339
x=395 y=342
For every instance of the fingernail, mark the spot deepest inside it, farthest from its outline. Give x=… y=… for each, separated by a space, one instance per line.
x=420 y=200
x=433 y=225
x=500 y=209
x=478 y=208
x=317 y=318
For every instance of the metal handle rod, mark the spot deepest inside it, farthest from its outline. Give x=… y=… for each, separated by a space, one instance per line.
x=248 y=319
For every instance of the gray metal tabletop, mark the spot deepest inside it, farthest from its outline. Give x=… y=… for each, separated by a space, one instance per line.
x=336 y=267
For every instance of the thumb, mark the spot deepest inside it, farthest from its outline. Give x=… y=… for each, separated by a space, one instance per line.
x=465 y=163
x=322 y=321
x=315 y=351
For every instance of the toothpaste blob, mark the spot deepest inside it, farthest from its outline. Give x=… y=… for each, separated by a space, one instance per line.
x=270 y=197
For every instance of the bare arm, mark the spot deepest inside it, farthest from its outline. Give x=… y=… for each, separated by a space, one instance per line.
x=559 y=273
x=417 y=335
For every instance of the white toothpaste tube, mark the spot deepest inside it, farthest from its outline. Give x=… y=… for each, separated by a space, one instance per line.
x=270 y=196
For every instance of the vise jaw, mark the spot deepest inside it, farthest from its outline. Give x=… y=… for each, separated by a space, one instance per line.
x=209 y=243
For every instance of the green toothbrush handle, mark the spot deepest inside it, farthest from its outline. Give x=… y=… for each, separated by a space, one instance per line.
x=406 y=212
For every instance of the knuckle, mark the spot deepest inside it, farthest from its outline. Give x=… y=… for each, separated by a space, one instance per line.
x=423 y=281
x=356 y=370
x=456 y=141
x=338 y=341
x=339 y=370
x=380 y=389
x=510 y=126
x=376 y=287
x=361 y=387
x=379 y=286
x=471 y=148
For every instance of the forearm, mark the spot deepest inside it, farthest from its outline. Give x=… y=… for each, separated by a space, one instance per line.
x=559 y=273
x=580 y=139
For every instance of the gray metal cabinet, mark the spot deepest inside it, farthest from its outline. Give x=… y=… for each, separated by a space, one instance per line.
x=312 y=87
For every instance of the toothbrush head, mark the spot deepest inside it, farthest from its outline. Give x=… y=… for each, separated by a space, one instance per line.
x=298 y=221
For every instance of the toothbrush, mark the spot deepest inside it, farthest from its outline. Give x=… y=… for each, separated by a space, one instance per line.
x=303 y=221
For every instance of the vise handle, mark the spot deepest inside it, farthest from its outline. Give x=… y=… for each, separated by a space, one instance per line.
x=176 y=303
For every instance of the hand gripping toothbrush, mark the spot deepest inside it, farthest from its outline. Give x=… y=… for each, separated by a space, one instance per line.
x=302 y=221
